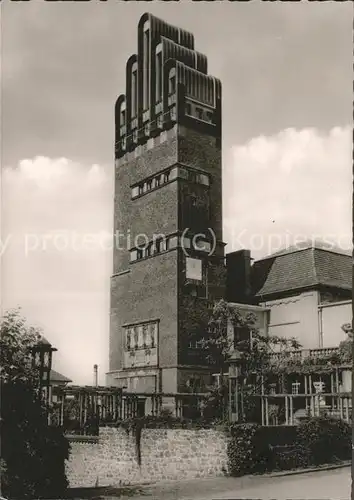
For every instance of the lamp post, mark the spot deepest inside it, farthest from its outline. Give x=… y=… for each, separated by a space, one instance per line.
x=42 y=353
x=234 y=373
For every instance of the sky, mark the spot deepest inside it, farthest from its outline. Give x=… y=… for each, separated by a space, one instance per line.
x=286 y=71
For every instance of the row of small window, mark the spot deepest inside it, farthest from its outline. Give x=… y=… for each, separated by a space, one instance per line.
x=297 y=388
x=193 y=266
x=140 y=149
x=153 y=248
x=196 y=344
x=167 y=176
x=197 y=111
x=146 y=130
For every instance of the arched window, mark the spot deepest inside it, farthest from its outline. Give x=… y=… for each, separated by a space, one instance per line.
x=172 y=81
x=122 y=115
x=158 y=63
x=134 y=90
x=146 y=65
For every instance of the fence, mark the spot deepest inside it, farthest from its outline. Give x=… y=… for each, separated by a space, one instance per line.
x=82 y=409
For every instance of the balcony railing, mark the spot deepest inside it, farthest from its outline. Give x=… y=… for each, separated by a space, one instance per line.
x=302 y=354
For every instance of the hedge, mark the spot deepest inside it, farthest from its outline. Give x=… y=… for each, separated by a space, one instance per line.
x=256 y=449
x=32 y=453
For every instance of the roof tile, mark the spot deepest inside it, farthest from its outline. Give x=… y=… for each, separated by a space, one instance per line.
x=302 y=268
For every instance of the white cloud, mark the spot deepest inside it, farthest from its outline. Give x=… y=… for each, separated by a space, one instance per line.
x=289 y=186
x=297 y=182
x=53 y=211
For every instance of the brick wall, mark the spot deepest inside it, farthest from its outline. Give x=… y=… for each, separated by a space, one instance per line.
x=166 y=454
x=152 y=289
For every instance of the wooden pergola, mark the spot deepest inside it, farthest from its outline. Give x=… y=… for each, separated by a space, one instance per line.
x=299 y=394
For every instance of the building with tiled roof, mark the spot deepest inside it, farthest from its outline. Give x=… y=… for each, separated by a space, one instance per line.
x=302 y=292
x=307 y=289
x=303 y=267
x=57 y=378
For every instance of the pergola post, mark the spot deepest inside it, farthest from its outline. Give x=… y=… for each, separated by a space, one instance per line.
x=286 y=410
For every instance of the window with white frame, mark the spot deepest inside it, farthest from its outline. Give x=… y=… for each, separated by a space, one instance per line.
x=295 y=388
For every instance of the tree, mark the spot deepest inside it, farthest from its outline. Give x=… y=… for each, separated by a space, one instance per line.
x=16 y=342
x=346 y=346
x=33 y=454
x=229 y=332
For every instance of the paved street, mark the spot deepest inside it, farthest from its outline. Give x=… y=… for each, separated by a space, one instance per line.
x=332 y=484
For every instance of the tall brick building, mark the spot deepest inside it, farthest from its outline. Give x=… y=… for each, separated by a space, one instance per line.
x=169 y=257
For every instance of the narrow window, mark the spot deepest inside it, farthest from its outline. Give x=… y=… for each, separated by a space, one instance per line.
x=199 y=113
x=158 y=74
x=193 y=291
x=209 y=115
x=133 y=255
x=134 y=90
x=163 y=245
x=158 y=246
x=152 y=336
x=141 y=188
x=122 y=117
x=135 y=191
x=149 y=185
x=146 y=69
x=147 y=251
x=166 y=176
x=128 y=339
x=157 y=180
x=201 y=291
x=188 y=109
x=192 y=177
x=172 y=82
x=203 y=179
x=173 y=242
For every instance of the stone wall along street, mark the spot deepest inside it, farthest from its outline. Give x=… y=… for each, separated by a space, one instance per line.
x=166 y=454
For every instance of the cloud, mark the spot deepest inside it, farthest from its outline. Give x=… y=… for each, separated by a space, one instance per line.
x=54 y=213
x=293 y=185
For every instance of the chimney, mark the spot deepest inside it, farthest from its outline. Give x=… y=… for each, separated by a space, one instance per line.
x=238 y=277
x=95 y=375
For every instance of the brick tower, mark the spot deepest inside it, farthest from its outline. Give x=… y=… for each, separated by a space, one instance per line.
x=169 y=256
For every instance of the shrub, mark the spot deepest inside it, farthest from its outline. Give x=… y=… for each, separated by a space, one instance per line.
x=255 y=449
x=248 y=452
x=290 y=457
x=327 y=439
x=33 y=453
x=279 y=435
